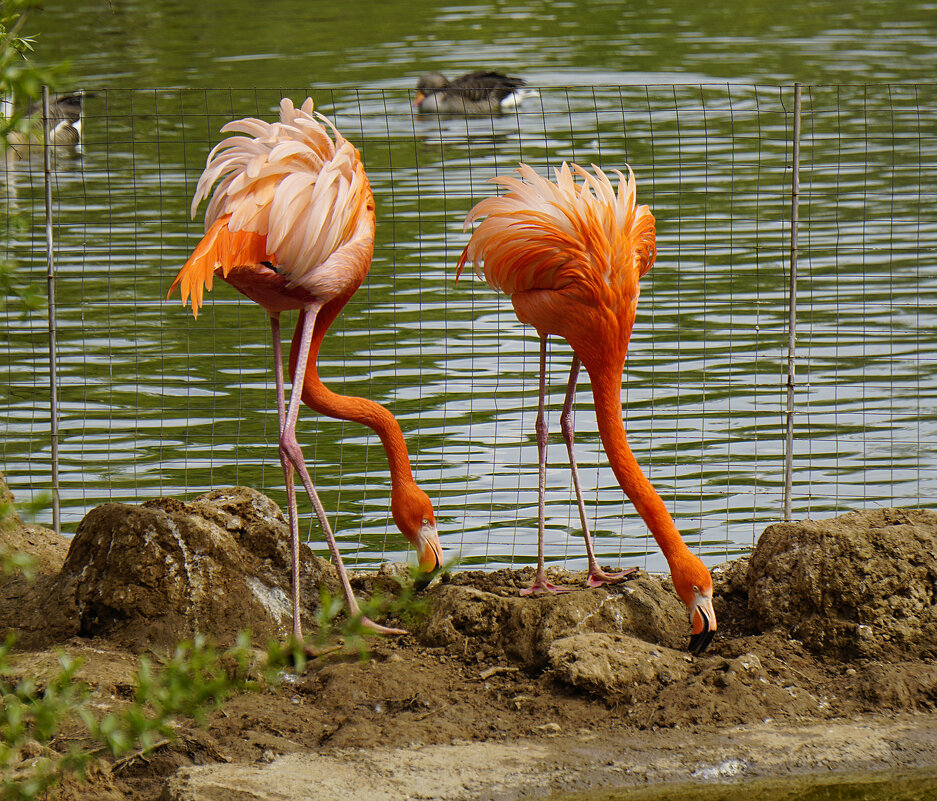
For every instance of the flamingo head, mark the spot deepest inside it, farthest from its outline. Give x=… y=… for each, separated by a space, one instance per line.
x=694 y=585
x=413 y=514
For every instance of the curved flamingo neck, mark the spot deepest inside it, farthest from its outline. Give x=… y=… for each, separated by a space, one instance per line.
x=606 y=391
x=320 y=398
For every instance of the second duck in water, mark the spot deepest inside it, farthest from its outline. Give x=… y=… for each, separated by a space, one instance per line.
x=481 y=92
x=64 y=124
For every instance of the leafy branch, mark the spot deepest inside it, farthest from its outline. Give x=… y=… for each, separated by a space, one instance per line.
x=21 y=82
x=20 y=79
x=194 y=679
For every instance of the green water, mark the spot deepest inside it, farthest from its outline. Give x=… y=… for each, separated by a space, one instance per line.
x=907 y=785
x=697 y=98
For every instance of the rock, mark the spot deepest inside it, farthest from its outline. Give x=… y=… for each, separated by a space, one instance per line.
x=152 y=574
x=730 y=594
x=525 y=628
x=458 y=613
x=897 y=686
x=22 y=602
x=860 y=585
x=453 y=772
x=611 y=666
x=47 y=548
x=21 y=607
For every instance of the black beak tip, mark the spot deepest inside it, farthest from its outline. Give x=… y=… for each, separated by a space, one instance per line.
x=700 y=642
x=423 y=579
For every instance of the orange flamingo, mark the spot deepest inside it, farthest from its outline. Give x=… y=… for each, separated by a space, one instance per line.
x=570 y=257
x=291 y=226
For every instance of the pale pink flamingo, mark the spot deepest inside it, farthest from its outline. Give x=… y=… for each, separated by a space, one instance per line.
x=291 y=226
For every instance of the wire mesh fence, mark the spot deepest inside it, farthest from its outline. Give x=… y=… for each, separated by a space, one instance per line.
x=153 y=402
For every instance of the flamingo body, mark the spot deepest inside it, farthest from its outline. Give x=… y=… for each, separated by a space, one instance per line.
x=290 y=224
x=288 y=195
x=570 y=256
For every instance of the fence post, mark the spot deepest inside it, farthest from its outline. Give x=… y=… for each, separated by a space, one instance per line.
x=47 y=157
x=792 y=309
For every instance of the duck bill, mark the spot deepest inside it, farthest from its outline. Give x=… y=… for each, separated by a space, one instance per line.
x=703 y=615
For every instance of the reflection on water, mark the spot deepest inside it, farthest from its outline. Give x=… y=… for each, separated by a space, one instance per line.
x=905 y=785
x=140 y=44
x=153 y=402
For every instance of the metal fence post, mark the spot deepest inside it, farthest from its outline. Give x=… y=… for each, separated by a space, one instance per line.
x=47 y=157
x=792 y=309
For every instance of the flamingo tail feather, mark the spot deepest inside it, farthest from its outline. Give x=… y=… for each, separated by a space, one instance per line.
x=220 y=249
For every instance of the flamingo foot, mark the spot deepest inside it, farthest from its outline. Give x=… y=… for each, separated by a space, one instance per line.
x=377 y=628
x=542 y=585
x=314 y=652
x=599 y=578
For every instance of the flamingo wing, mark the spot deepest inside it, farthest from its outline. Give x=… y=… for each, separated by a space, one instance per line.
x=562 y=236
x=289 y=195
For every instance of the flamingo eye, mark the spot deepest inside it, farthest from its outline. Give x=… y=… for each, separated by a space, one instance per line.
x=425 y=522
x=695 y=588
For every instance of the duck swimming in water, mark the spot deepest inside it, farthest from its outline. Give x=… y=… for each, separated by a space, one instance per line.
x=480 y=92
x=64 y=123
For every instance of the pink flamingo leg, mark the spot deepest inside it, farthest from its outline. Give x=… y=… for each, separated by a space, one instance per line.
x=597 y=576
x=288 y=474
x=291 y=455
x=540 y=581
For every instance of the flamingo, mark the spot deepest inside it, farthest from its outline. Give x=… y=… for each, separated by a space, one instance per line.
x=480 y=92
x=291 y=226
x=570 y=256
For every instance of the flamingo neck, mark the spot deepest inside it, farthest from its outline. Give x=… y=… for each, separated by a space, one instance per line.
x=606 y=390
x=320 y=398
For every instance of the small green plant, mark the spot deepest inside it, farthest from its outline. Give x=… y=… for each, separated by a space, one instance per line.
x=17 y=562
x=410 y=608
x=188 y=683
x=28 y=721
x=352 y=630
x=194 y=679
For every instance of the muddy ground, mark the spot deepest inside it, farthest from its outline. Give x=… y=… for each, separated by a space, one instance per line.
x=826 y=659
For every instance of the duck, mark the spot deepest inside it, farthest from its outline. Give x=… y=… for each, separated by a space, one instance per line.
x=64 y=123
x=64 y=117
x=480 y=92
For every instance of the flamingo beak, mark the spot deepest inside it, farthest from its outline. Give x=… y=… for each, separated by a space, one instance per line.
x=420 y=97
x=703 y=616
x=428 y=547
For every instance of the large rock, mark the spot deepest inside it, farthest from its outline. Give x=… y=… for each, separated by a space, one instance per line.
x=862 y=584
x=525 y=628
x=152 y=574
x=612 y=666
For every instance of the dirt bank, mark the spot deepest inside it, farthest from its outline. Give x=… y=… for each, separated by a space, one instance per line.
x=826 y=659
